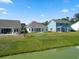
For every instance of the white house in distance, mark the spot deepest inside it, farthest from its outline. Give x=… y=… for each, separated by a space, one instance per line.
x=75 y=26
x=36 y=27
x=9 y=26
x=59 y=26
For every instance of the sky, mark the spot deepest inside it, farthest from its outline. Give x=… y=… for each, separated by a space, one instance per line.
x=37 y=10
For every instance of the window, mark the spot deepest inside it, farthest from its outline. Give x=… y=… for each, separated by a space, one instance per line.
x=59 y=24
x=29 y=29
x=63 y=24
x=15 y=30
x=58 y=29
x=32 y=29
x=67 y=24
x=42 y=29
x=36 y=29
x=46 y=29
x=51 y=29
x=63 y=30
x=39 y=29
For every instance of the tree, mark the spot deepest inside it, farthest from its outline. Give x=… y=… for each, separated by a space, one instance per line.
x=45 y=23
x=76 y=16
x=66 y=18
x=23 y=29
x=72 y=20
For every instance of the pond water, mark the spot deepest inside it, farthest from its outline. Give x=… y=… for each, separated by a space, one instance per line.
x=60 y=53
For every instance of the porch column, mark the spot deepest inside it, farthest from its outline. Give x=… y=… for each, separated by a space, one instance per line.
x=12 y=30
x=31 y=29
x=34 y=30
x=41 y=30
x=0 y=30
x=60 y=29
x=67 y=29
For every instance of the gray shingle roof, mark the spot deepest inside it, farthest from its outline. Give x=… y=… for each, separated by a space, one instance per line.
x=10 y=23
x=61 y=21
x=35 y=24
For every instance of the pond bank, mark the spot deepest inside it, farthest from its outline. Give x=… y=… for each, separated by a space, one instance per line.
x=12 y=45
x=59 y=53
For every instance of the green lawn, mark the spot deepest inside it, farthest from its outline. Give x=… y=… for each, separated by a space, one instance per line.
x=61 y=53
x=10 y=45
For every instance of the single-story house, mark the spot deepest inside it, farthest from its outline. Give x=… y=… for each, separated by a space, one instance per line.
x=9 y=26
x=59 y=26
x=36 y=27
x=75 y=26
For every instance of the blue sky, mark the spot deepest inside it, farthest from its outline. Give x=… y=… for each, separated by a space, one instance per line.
x=37 y=10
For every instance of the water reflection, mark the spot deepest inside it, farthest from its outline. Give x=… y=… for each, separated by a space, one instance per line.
x=77 y=47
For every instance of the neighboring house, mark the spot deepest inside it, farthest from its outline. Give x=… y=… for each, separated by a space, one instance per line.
x=36 y=27
x=9 y=26
x=75 y=26
x=59 y=26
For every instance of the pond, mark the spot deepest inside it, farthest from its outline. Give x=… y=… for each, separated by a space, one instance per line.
x=60 y=53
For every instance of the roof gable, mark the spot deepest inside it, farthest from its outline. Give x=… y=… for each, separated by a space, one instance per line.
x=75 y=26
x=35 y=24
x=10 y=23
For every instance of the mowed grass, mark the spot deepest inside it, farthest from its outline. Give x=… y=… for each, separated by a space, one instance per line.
x=11 y=45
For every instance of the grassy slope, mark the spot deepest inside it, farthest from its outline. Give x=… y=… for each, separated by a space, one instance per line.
x=36 y=41
x=61 y=53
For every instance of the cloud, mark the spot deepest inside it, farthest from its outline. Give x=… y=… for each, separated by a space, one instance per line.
x=7 y=1
x=73 y=9
x=33 y=19
x=77 y=5
x=28 y=7
x=3 y=11
x=42 y=15
x=65 y=10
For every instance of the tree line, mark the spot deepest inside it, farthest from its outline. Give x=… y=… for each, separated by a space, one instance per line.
x=72 y=20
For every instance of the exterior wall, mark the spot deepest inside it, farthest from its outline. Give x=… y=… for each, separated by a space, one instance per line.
x=16 y=30
x=45 y=29
x=36 y=29
x=29 y=31
x=64 y=27
x=52 y=26
x=11 y=30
